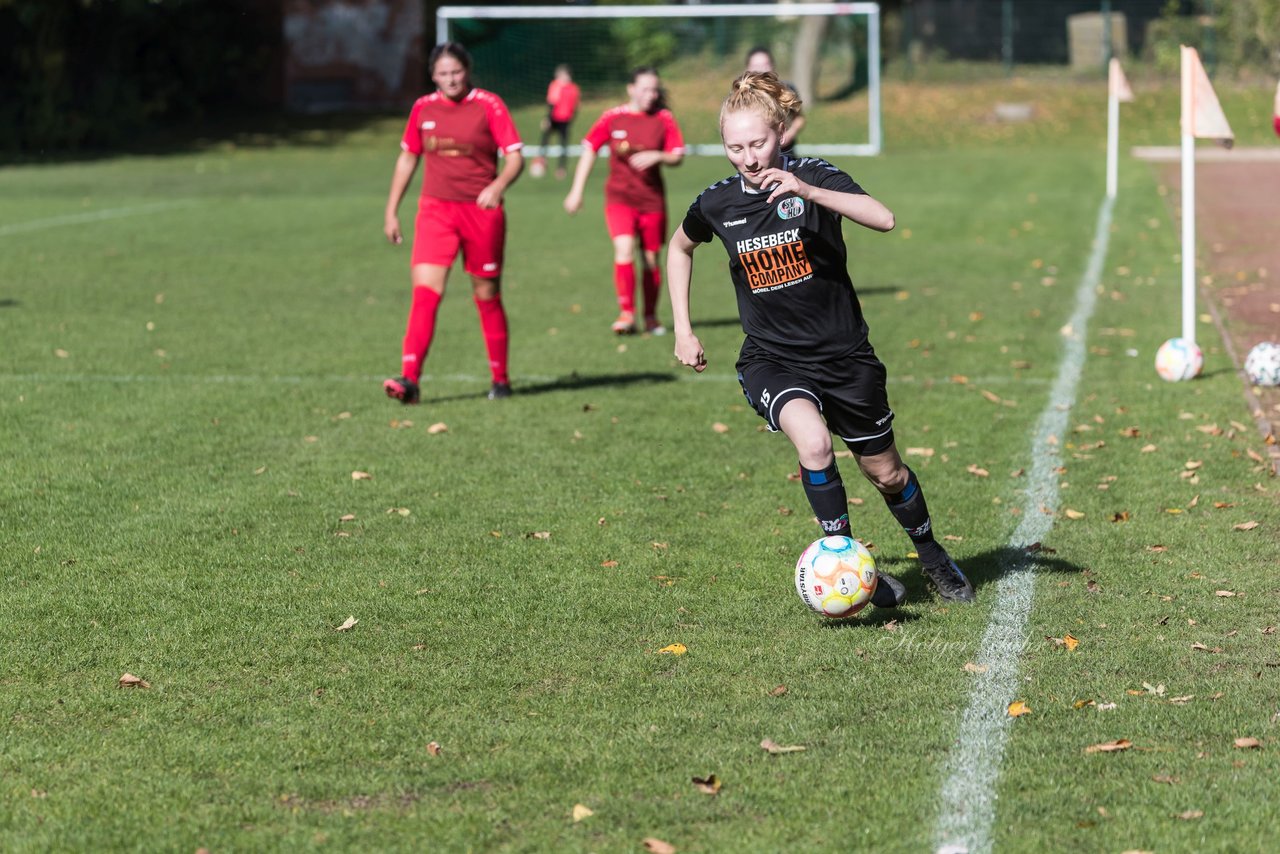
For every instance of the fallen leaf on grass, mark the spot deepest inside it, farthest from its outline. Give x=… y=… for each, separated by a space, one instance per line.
x=399 y=511
x=128 y=680
x=720 y=428
x=1245 y=526
x=438 y=428
x=361 y=475
x=973 y=469
x=347 y=624
x=1225 y=594
x=1018 y=708
x=581 y=811
x=434 y=748
x=1248 y=743
x=657 y=846
x=1122 y=516
x=538 y=535
x=347 y=517
x=1190 y=815
x=1073 y=514
x=1199 y=647
x=710 y=784
x=919 y=452
x=1068 y=641
x=1164 y=778
x=1080 y=704
x=1109 y=746
x=1147 y=449
x=970 y=667
x=770 y=746
x=779 y=691
x=673 y=649
x=260 y=470
x=609 y=564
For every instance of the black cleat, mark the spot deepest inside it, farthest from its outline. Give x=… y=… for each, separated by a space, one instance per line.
x=950 y=582
x=500 y=391
x=889 y=592
x=402 y=389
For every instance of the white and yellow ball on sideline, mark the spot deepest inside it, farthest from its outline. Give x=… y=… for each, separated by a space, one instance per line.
x=1179 y=359
x=836 y=576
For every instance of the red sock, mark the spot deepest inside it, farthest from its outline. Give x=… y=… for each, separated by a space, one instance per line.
x=624 y=283
x=652 y=284
x=418 y=333
x=493 y=324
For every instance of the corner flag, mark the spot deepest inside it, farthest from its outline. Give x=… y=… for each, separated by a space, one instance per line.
x=1117 y=83
x=1201 y=113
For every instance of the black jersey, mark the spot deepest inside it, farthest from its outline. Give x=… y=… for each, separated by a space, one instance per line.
x=787 y=261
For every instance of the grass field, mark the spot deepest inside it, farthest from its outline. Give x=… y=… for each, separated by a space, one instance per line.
x=193 y=345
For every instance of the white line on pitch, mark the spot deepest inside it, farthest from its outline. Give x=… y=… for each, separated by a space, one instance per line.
x=87 y=216
x=973 y=770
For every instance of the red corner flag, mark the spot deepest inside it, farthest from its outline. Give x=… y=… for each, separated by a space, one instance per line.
x=1202 y=115
x=1117 y=83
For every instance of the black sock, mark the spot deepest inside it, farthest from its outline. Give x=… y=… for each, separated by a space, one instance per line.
x=909 y=508
x=825 y=491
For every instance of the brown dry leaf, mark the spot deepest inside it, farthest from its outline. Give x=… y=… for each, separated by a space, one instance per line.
x=581 y=811
x=710 y=784
x=1210 y=429
x=1131 y=432
x=1072 y=514
x=1080 y=704
x=1190 y=815
x=991 y=396
x=952 y=538
x=1248 y=743
x=1157 y=548
x=1164 y=778
x=1017 y=473
x=434 y=748
x=1147 y=449
x=347 y=517
x=1245 y=526
x=609 y=564
x=720 y=428
x=399 y=511
x=1122 y=516
x=970 y=667
x=778 y=691
x=919 y=452
x=1222 y=505
x=960 y=379
x=347 y=625
x=1070 y=642
x=361 y=475
x=973 y=469
x=657 y=846
x=1109 y=746
x=1225 y=594
x=1018 y=708
x=770 y=746
x=128 y=680
x=260 y=470
x=1192 y=465
x=1182 y=701
x=1199 y=647
x=673 y=649
x=438 y=428
x=538 y=535
x=1254 y=455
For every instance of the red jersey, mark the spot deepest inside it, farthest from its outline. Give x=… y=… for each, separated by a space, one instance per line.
x=461 y=141
x=562 y=96
x=626 y=132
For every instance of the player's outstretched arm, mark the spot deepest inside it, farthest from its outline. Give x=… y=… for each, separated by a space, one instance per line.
x=406 y=165
x=858 y=207
x=679 y=279
x=792 y=130
x=573 y=201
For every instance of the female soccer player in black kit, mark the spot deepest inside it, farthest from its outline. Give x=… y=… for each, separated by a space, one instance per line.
x=806 y=365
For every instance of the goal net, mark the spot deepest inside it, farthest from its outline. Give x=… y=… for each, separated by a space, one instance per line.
x=830 y=52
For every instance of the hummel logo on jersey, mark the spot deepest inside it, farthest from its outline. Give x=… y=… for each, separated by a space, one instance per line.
x=428 y=125
x=731 y=223
x=791 y=208
x=619 y=134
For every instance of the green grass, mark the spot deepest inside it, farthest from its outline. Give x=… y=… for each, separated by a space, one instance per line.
x=184 y=395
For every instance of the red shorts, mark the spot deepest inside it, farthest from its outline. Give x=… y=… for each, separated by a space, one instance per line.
x=651 y=226
x=1276 y=122
x=444 y=227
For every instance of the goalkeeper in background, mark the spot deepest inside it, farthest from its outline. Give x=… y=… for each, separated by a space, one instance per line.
x=760 y=61
x=562 y=105
x=642 y=136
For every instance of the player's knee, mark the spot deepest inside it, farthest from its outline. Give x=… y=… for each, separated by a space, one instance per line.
x=886 y=477
x=815 y=451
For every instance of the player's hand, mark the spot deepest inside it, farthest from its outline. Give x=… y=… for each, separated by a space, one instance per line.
x=573 y=202
x=780 y=182
x=689 y=352
x=391 y=228
x=643 y=160
x=490 y=197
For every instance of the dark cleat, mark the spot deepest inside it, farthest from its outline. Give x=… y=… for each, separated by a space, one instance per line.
x=499 y=391
x=950 y=582
x=889 y=592
x=402 y=389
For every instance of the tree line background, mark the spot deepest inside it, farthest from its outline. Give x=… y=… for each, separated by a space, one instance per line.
x=98 y=74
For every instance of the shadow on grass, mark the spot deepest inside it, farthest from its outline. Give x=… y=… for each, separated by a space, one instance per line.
x=571 y=382
x=9 y=302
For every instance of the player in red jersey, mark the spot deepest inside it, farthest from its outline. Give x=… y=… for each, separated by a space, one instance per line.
x=461 y=131
x=1275 y=119
x=642 y=136
x=562 y=105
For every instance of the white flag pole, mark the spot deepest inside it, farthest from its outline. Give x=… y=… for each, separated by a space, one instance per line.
x=1188 y=202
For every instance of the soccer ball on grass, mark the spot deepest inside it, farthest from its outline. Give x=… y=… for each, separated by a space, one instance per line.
x=836 y=576
x=1262 y=365
x=1178 y=359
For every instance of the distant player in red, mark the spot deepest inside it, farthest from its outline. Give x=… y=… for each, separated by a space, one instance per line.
x=461 y=131
x=562 y=105
x=642 y=136
x=1275 y=119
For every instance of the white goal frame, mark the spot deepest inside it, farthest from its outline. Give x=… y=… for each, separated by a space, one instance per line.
x=770 y=10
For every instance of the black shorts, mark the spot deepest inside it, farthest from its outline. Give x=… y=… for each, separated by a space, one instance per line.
x=849 y=391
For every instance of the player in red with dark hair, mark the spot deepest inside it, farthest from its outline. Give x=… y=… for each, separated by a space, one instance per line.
x=461 y=130
x=562 y=105
x=1275 y=119
x=642 y=136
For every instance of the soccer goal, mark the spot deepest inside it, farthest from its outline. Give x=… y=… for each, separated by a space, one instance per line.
x=829 y=51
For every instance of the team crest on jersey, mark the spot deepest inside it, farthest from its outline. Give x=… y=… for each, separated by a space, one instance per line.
x=790 y=208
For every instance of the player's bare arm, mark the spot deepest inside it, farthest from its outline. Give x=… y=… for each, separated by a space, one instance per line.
x=791 y=131
x=406 y=165
x=642 y=160
x=573 y=201
x=491 y=196
x=857 y=207
x=679 y=278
